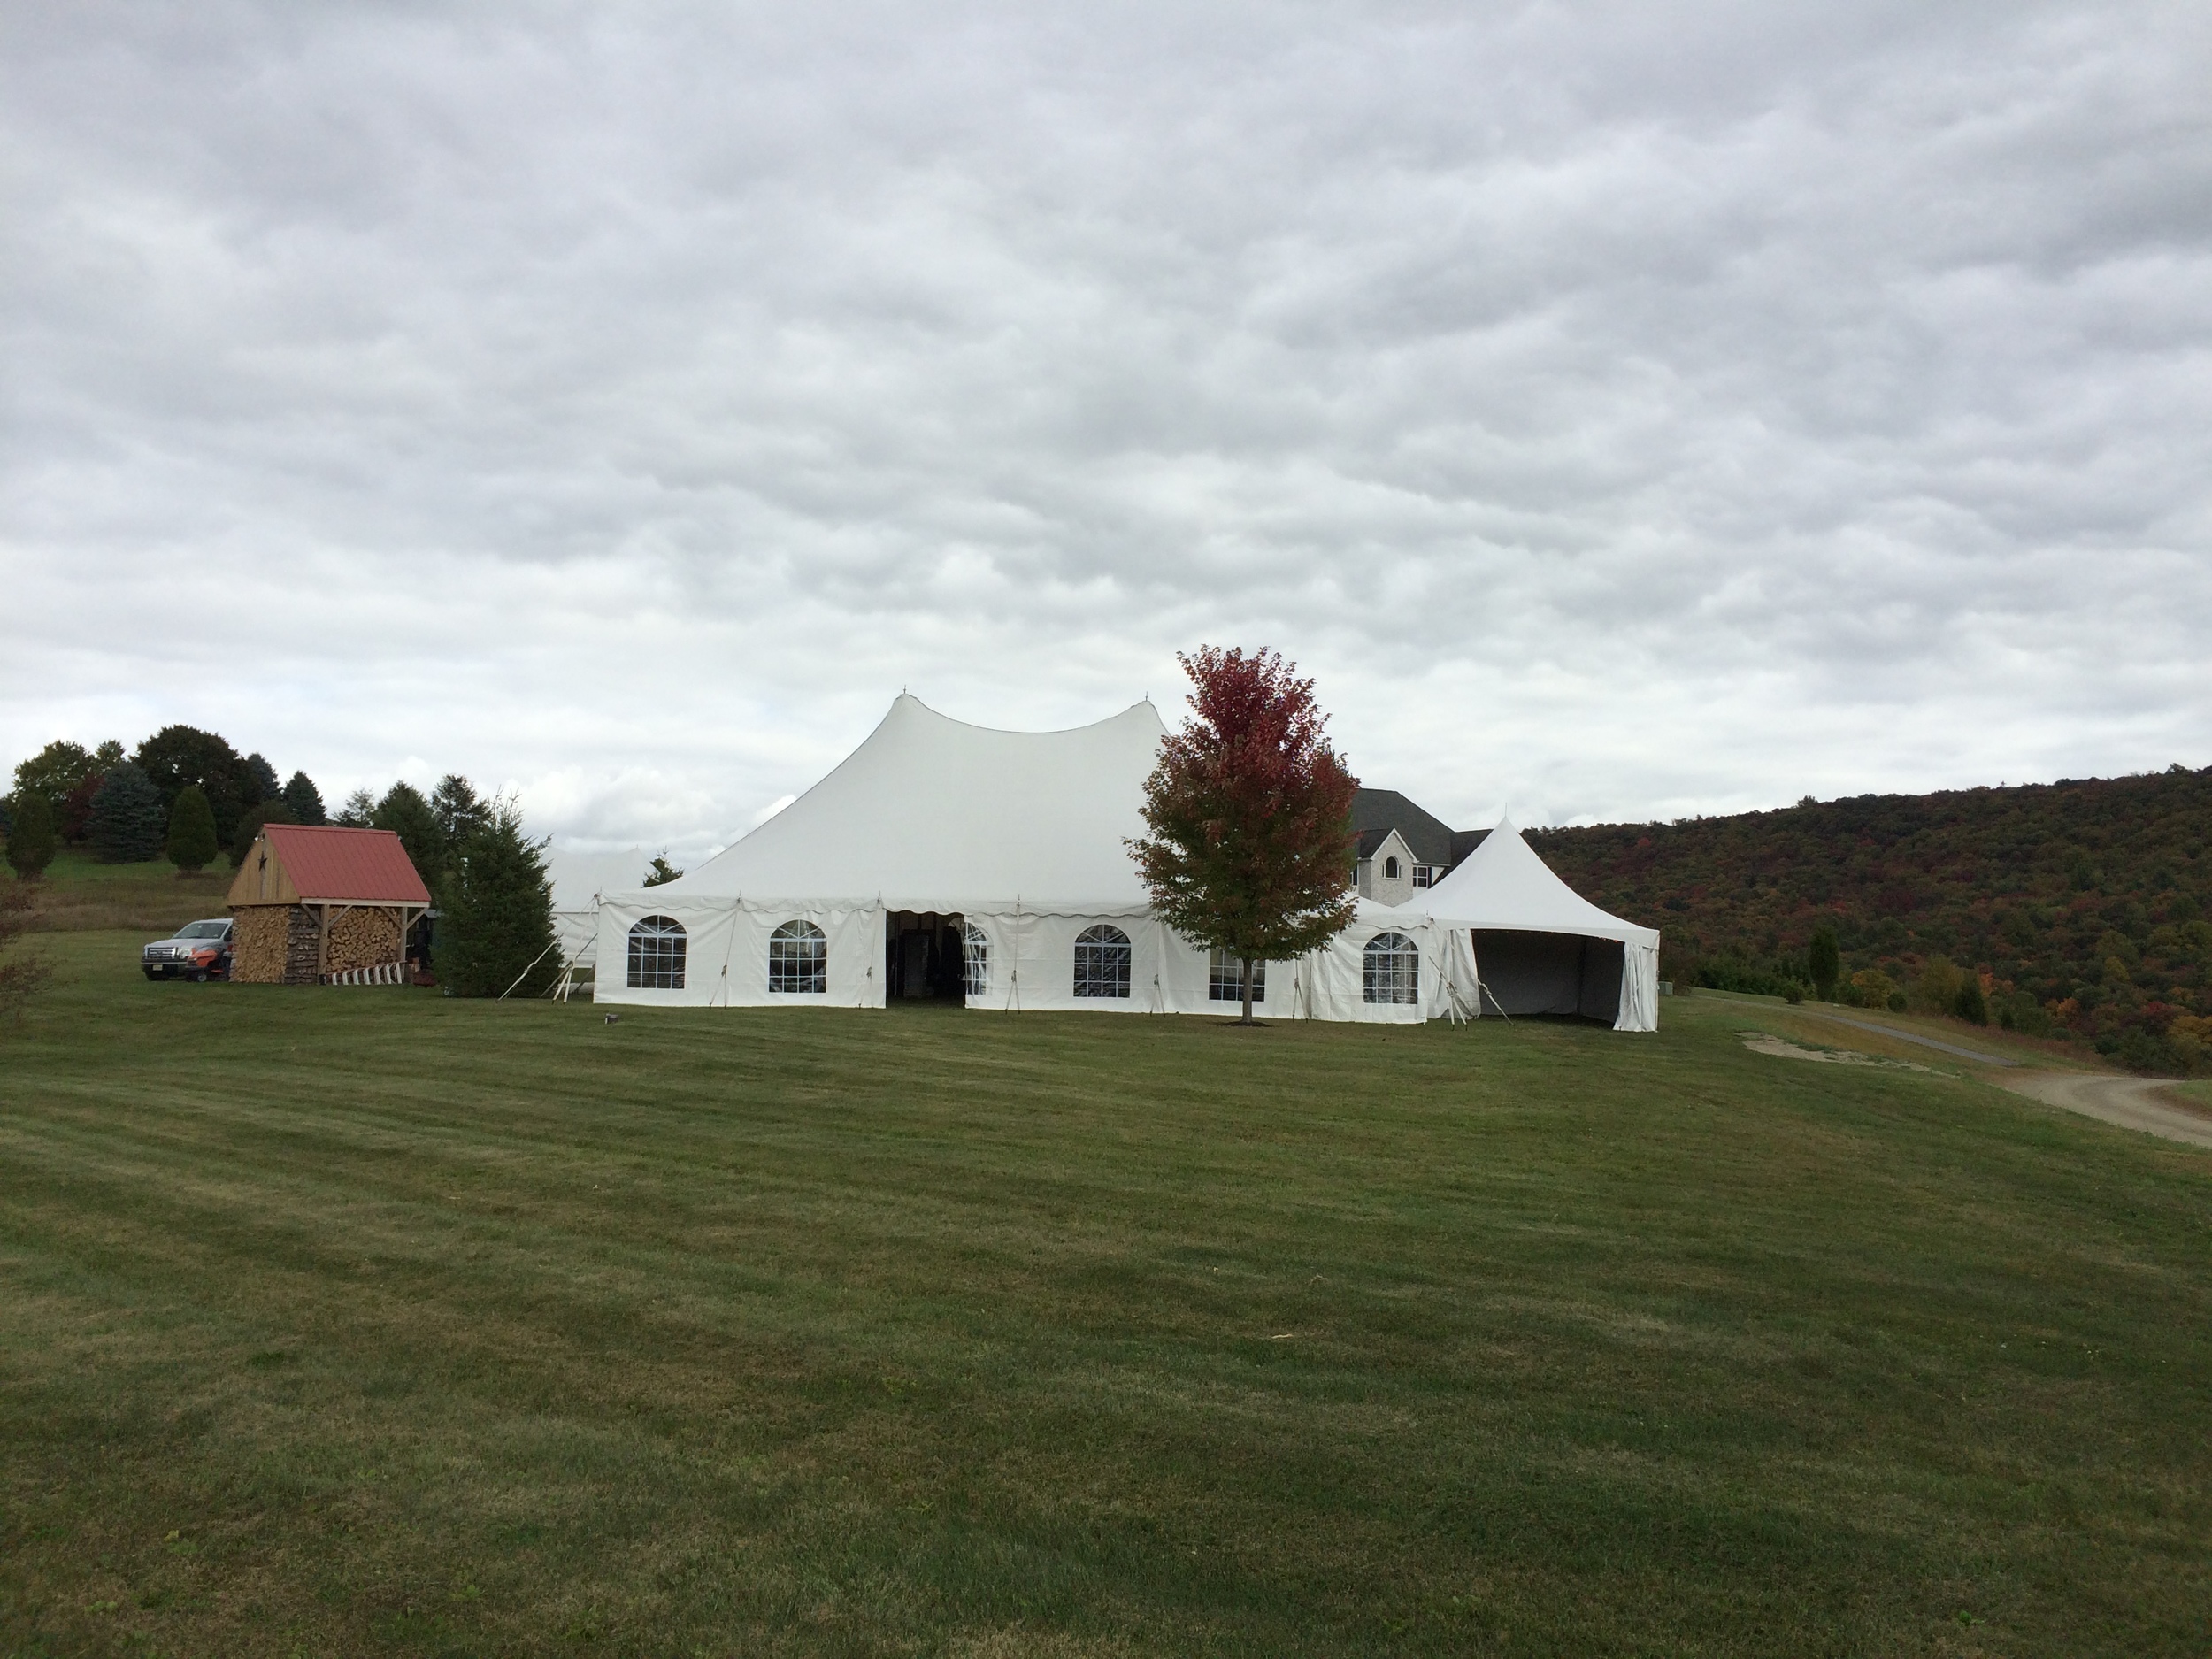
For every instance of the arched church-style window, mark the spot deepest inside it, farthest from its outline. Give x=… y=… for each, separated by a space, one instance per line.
x=657 y=954
x=1390 y=869
x=1390 y=970
x=1101 y=961
x=798 y=960
x=975 y=961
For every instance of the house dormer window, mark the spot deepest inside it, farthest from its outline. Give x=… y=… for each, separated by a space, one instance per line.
x=1390 y=869
x=1423 y=875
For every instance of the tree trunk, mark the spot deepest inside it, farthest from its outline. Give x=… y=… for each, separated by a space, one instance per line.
x=1247 y=993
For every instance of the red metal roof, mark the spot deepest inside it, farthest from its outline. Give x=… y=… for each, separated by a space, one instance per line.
x=361 y=866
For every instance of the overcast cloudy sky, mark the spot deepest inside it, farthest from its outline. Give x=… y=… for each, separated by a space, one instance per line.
x=1623 y=412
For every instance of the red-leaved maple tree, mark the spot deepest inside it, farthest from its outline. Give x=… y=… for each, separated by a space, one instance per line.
x=1250 y=812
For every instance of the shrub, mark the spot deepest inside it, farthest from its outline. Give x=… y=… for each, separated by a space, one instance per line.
x=1870 y=987
x=129 y=823
x=32 y=842
x=192 y=831
x=1935 y=989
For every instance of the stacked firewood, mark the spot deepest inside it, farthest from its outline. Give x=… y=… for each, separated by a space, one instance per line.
x=259 y=935
x=362 y=939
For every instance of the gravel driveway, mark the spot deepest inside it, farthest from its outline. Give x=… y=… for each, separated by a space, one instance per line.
x=2132 y=1102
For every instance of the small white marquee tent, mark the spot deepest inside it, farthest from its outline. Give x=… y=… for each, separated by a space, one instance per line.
x=578 y=879
x=944 y=859
x=1538 y=947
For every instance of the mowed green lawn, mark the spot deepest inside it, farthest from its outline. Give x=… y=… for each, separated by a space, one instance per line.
x=342 y=1322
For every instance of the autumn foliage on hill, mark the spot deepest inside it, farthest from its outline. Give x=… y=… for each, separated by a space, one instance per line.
x=2080 y=907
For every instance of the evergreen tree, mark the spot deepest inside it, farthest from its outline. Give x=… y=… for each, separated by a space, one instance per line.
x=261 y=777
x=128 y=822
x=1971 y=1005
x=459 y=809
x=1250 y=812
x=360 y=807
x=192 y=841
x=304 y=801
x=1825 y=959
x=661 y=872
x=32 y=842
x=249 y=828
x=495 y=912
x=407 y=815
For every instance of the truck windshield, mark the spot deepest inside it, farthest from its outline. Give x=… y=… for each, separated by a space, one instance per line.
x=202 y=930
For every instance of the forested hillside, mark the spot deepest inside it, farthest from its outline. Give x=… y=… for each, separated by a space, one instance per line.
x=2081 y=906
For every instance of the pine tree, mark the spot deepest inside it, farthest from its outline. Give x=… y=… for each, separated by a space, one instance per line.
x=407 y=815
x=192 y=841
x=129 y=823
x=304 y=801
x=360 y=807
x=1250 y=813
x=1826 y=960
x=32 y=842
x=460 y=812
x=660 y=872
x=259 y=777
x=495 y=912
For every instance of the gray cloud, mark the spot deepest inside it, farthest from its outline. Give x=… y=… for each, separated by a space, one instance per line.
x=1622 y=412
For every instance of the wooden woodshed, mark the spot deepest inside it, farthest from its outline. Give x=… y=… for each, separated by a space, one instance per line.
x=321 y=905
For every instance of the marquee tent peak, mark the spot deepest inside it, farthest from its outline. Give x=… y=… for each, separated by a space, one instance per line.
x=908 y=697
x=1504 y=884
x=932 y=814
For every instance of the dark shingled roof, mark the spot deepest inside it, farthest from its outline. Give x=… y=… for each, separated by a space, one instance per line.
x=1376 y=812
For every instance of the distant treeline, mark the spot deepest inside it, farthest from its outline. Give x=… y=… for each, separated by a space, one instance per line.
x=2081 y=906
x=121 y=803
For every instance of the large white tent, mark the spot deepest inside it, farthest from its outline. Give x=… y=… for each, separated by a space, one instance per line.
x=994 y=867
x=1535 y=946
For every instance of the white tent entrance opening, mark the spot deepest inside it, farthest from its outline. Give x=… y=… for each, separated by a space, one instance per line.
x=1525 y=973
x=925 y=956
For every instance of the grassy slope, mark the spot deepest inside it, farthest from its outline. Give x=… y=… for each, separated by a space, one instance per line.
x=373 y=1321
x=78 y=892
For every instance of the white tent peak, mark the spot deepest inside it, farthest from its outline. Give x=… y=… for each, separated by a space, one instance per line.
x=931 y=813
x=1504 y=884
